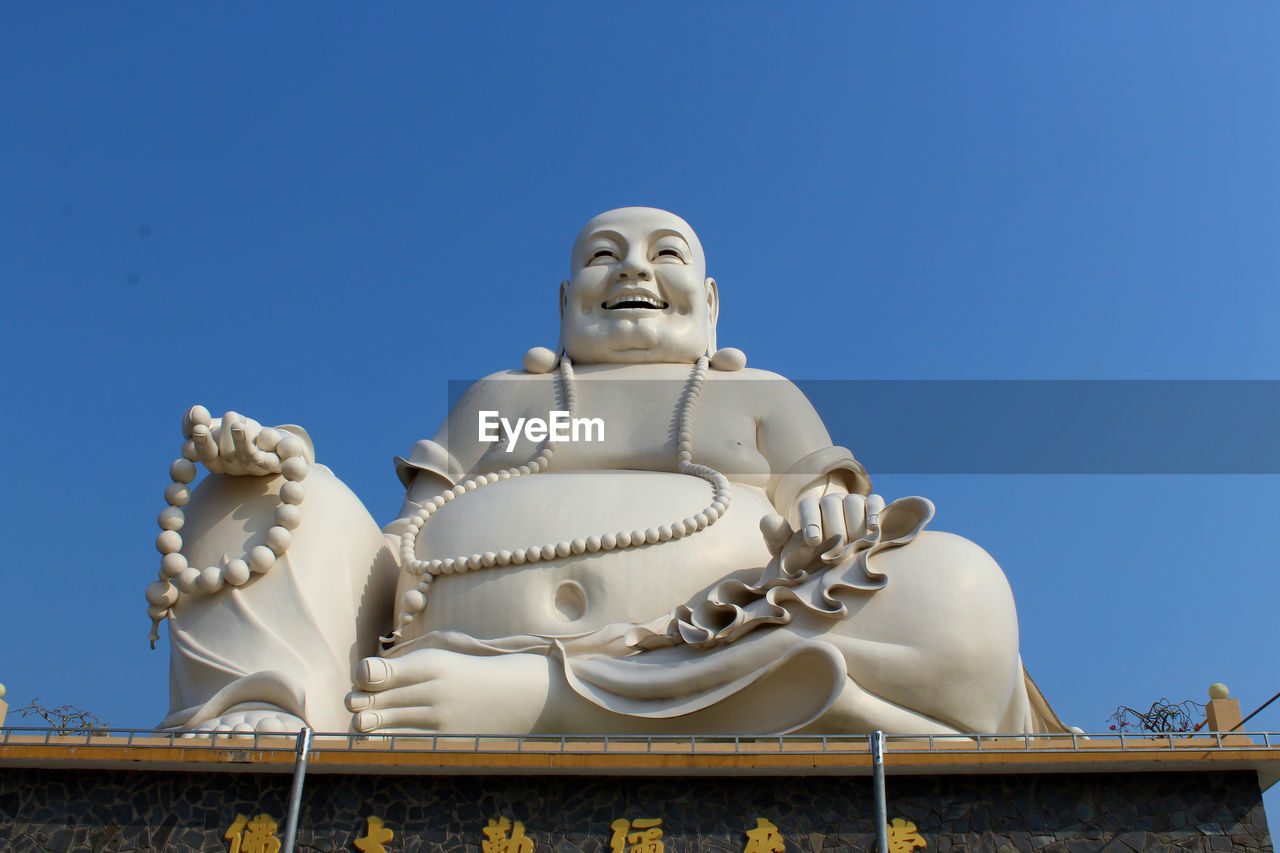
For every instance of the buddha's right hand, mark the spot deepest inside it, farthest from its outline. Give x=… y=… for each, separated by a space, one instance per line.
x=240 y=446
x=828 y=527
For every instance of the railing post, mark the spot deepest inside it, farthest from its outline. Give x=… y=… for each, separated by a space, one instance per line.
x=877 y=774
x=295 y=794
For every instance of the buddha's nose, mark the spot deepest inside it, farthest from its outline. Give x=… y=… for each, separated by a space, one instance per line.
x=634 y=269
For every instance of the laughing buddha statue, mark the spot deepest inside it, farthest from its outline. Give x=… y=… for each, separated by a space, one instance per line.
x=701 y=560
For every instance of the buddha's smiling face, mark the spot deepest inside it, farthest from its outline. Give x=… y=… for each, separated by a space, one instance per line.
x=637 y=292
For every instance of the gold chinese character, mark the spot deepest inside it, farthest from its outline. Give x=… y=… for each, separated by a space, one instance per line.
x=497 y=840
x=253 y=836
x=233 y=834
x=376 y=836
x=643 y=835
x=903 y=836
x=765 y=838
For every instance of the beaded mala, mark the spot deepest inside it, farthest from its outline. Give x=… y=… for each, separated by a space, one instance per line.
x=177 y=578
x=414 y=601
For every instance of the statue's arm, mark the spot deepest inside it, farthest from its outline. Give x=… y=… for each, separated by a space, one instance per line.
x=819 y=491
x=426 y=472
x=803 y=462
x=436 y=464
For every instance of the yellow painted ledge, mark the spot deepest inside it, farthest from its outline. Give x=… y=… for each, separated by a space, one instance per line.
x=790 y=756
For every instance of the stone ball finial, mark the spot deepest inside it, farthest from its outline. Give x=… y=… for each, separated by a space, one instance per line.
x=728 y=359
x=540 y=360
x=1218 y=690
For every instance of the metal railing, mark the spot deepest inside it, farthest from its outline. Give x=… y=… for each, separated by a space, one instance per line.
x=642 y=744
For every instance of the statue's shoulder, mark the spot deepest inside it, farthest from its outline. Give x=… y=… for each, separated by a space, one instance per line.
x=764 y=383
x=515 y=376
x=771 y=397
x=504 y=386
x=750 y=374
x=510 y=379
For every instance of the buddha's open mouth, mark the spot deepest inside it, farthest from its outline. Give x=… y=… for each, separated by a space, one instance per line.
x=634 y=300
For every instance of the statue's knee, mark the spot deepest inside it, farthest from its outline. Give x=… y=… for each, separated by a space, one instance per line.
x=948 y=569
x=948 y=601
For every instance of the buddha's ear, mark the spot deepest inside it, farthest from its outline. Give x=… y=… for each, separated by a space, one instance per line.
x=713 y=312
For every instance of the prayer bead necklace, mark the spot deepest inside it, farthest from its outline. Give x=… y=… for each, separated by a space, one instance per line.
x=176 y=576
x=414 y=601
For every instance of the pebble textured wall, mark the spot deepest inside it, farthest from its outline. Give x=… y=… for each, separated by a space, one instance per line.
x=59 y=810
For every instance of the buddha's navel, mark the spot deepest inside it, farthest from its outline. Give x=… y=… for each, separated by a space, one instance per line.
x=570 y=601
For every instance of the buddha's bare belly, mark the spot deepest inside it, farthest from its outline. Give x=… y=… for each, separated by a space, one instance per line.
x=579 y=594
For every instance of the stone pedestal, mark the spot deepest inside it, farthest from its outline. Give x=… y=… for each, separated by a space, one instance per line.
x=632 y=797
x=1222 y=715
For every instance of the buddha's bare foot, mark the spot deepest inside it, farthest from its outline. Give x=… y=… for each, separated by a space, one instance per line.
x=435 y=690
x=253 y=720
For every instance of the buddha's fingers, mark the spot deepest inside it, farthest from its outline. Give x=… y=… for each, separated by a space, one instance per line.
x=831 y=507
x=206 y=447
x=855 y=516
x=875 y=506
x=226 y=443
x=247 y=453
x=240 y=445
x=196 y=415
x=776 y=532
x=811 y=522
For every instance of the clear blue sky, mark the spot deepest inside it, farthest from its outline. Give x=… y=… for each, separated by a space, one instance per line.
x=322 y=213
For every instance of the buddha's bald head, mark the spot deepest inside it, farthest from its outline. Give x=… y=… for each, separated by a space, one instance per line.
x=637 y=290
x=638 y=219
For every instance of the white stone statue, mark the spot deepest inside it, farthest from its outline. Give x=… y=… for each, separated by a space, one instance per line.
x=701 y=559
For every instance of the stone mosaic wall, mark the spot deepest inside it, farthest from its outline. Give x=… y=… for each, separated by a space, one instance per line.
x=47 y=810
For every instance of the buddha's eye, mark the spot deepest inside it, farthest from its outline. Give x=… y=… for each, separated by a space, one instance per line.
x=673 y=254
x=602 y=255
